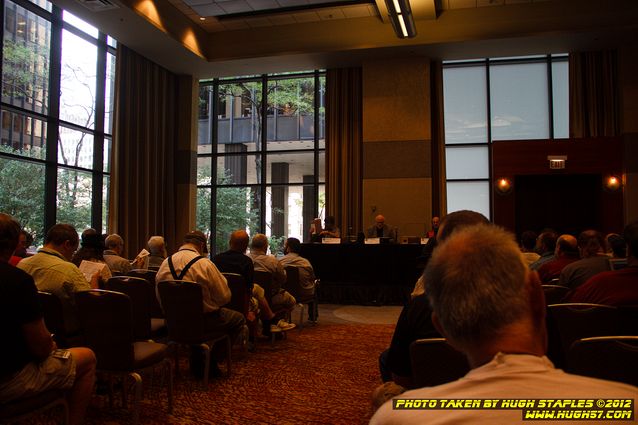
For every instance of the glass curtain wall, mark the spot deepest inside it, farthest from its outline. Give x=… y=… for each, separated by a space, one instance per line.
x=522 y=98
x=262 y=138
x=57 y=104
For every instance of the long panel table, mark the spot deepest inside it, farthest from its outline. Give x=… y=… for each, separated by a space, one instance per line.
x=364 y=274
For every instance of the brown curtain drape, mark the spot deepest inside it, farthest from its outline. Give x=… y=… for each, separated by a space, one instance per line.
x=439 y=192
x=142 y=195
x=344 y=105
x=593 y=94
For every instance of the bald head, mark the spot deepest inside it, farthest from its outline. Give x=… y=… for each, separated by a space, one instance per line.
x=566 y=245
x=239 y=241
x=379 y=221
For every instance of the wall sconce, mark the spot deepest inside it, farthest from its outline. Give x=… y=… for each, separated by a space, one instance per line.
x=504 y=186
x=401 y=17
x=557 y=162
x=612 y=183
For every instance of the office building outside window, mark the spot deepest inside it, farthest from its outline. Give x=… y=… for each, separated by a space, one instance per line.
x=57 y=103
x=519 y=98
x=261 y=156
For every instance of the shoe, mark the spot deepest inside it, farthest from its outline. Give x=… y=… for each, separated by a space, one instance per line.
x=275 y=328
x=285 y=326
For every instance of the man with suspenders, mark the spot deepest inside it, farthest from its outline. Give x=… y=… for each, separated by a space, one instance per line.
x=189 y=263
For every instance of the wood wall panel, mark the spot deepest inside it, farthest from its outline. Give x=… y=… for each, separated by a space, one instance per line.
x=405 y=203
x=393 y=160
x=584 y=156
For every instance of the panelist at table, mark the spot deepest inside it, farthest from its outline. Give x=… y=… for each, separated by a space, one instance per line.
x=329 y=230
x=381 y=230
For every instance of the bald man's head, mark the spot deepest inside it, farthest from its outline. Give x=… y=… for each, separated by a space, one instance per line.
x=379 y=221
x=239 y=240
x=566 y=245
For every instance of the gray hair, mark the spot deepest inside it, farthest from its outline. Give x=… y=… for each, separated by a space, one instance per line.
x=475 y=282
x=259 y=242
x=157 y=246
x=113 y=241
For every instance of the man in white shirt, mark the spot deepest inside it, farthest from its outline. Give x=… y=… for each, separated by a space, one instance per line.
x=188 y=263
x=490 y=306
x=292 y=247
x=264 y=262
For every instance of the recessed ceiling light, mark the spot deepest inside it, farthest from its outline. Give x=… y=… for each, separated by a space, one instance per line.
x=201 y=18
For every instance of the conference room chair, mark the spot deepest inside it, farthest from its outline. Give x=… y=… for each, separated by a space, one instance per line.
x=156 y=309
x=239 y=293
x=53 y=314
x=264 y=279
x=240 y=297
x=293 y=286
x=606 y=357
x=569 y=322
x=27 y=410
x=107 y=320
x=183 y=306
x=142 y=294
x=435 y=362
x=554 y=294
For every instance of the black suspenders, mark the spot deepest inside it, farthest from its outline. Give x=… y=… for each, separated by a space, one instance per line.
x=181 y=275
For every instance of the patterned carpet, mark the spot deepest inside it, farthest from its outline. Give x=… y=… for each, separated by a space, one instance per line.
x=323 y=375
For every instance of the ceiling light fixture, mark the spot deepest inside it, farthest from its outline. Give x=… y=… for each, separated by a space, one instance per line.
x=401 y=17
x=201 y=18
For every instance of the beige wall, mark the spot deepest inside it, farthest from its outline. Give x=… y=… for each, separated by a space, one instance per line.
x=397 y=170
x=628 y=70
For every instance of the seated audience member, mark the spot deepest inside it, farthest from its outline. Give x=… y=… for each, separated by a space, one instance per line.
x=593 y=260
x=190 y=263
x=292 y=248
x=415 y=319
x=528 y=243
x=381 y=230
x=452 y=221
x=280 y=299
x=113 y=255
x=29 y=364
x=566 y=252
x=546 y=247
x=505 y=344
x=157 y=252
x=618 y=288
x=92 y=249
x=615 y=246
x=53 y=271
x=236 y=261
x=26 y=239
x=435 y=228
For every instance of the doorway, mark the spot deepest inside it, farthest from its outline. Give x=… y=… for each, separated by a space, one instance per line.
x=565 y=203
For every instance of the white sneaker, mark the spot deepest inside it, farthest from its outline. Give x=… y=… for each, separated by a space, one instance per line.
x=285 y=326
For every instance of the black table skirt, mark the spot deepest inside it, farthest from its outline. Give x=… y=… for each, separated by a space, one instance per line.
x=364 y=274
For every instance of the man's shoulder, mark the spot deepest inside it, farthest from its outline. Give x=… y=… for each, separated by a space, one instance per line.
x=13 y=274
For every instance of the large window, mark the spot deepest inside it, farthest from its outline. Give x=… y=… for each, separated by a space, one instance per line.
x=486 y=100
x=261 y=156
x=57 y=85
